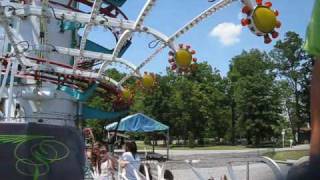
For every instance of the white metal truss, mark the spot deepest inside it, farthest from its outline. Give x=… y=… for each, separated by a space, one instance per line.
x=128 y=33
x=142 y=65
x=94 y=12
x=205 y=14
x=96 y=19
x=28 y=10
x=18 y=50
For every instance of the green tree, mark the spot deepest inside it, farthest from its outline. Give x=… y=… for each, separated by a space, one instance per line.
x=294 y=65
x=257 y=99
x=189 y=104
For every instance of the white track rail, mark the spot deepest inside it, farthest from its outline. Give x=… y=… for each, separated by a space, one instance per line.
x=205 y=14
x=94 y=12
x=127 y=34
x=124 y=79
x=27 y=10
x=18 y=49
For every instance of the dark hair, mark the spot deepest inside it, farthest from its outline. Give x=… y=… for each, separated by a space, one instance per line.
x=95 y=158
x=131 y=146
x=104 y=144
x=168 y=175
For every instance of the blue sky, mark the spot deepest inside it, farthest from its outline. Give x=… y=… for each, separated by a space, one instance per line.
x=168 y=15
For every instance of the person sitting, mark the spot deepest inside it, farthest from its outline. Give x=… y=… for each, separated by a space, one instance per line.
x=107 y=164
x=103 y=164
x=88 y=167
x=96 y=161
x=130 y=161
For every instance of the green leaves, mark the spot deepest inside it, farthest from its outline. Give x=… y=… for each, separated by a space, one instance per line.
x=254 y=93
x=294 y=66
x=194 y=104
x=260 y=93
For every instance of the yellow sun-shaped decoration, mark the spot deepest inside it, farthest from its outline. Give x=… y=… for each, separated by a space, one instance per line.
x=182 y=60
x=148 y=80
x=126 y=95
x=262 y=20
x=123 y=99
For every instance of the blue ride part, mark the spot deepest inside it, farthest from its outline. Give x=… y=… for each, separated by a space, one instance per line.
x=78 y=95
x=69 y=25
x=138 y=123
x=117 y=3
x=88 y=112
x=92 y=46
x=93 y=113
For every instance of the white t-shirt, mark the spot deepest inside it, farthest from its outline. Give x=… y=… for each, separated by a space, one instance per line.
x=134 y=164
x=105 y=174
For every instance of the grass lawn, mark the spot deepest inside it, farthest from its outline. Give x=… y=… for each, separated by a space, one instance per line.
x=141 y=146
x=211 y=148
x=285 y=155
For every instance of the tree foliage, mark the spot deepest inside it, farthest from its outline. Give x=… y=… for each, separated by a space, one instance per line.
x=262 y=94
x=293 y=65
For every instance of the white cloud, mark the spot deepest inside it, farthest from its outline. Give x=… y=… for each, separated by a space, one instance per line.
x=227 y=33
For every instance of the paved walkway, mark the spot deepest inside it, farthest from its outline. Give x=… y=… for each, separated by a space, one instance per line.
x=257 y=171
x=212 y=163
x=174 y=152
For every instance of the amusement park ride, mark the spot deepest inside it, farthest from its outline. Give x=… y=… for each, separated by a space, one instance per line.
x=48 y=70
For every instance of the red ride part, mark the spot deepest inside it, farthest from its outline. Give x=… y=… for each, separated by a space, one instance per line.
x=267 y=39
x=174 y=66
x=278 y=24
x=259 y=2
x=194 y=60
x=246 y=10
x=268 y=4
x=274 y=34
x=245 y=22
x=110 y=10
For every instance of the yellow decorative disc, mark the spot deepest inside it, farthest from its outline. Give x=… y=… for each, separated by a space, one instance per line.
x=183 y=58
x=264 y=19
x=126 y=94
x=147 y=81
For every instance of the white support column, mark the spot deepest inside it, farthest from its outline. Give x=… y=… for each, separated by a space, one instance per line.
x=10 y=90
x=4 y=80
